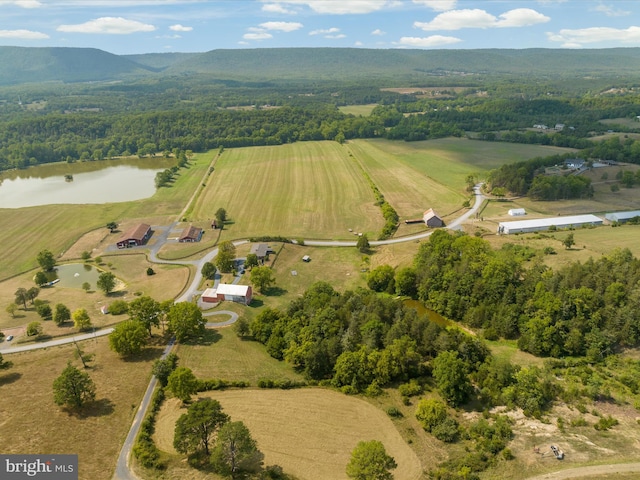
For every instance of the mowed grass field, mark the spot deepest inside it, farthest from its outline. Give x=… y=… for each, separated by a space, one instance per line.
x=305 y=189
x=309 y=432
x=26 y=231
x=30 y=422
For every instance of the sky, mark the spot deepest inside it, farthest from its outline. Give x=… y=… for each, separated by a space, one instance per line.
x=153 y=26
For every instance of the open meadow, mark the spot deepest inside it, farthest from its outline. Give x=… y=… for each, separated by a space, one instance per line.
x=31 y=422
x=309 y=432
x=304 y=189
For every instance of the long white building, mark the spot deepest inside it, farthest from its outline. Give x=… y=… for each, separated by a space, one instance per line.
x=540 y=224
x=622 y=217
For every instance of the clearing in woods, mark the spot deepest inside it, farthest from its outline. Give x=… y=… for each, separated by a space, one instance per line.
x=305 y=189
x=309 y=432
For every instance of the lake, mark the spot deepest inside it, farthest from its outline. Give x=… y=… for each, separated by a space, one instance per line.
x=73 y=275
x=103 y=181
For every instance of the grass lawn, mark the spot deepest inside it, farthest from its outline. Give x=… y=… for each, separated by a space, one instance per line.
x=226 y=356
x=358 y=110
x=26 y=231
x=305 y=189
x=309 y=432
x=32 y=423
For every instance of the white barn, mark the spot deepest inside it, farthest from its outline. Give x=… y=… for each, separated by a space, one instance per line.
x=516 y=212
x=622 y=217
x=229 y=292
x=540 y=224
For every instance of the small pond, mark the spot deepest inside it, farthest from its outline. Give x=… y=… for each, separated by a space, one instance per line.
x=73 y=275
x=103 y=181
x=433 y=316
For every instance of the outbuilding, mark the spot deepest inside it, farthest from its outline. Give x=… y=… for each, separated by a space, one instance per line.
x=541 y=224
x=622 y=217
x=138 y=235
x=229 y=292
x=516 y=212
x=431 y=219
x=190 y=234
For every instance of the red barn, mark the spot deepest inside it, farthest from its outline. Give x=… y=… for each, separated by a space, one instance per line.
x=191 y=234
x=137 y=235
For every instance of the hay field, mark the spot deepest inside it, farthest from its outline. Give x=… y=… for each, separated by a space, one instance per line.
x=305 y=189
x=31 y=423
x=310 y=432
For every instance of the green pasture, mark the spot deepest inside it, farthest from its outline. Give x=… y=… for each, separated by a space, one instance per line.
x=358 y=110
x=26 y=231
x=305 y=189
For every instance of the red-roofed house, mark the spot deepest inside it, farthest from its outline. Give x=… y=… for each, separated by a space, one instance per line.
x=137 y=235
x=230 y=292
x=191 y=234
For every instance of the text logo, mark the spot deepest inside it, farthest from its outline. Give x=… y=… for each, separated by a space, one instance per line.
x=44 y=467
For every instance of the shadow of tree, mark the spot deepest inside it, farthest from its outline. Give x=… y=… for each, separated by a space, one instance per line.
x=275 y=292
x=209 y=337
x=98 y=408
x=256 y=303
x=10 y=378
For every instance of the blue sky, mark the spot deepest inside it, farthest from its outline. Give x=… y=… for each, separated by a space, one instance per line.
x=144 y=26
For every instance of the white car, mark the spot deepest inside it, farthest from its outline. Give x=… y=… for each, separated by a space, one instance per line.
x=9 y=338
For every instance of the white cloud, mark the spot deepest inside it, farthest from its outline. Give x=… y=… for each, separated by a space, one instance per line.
x=377 y=31
x=281 y=26
x=611 y=11
x=108 y=25
x=438 y=5
x=341 y=7
x=180 y=28
x=335 y=37
x=277 y=8
x=577 y=38
x=476 y=18
x=426 y=42
x=257 y=36
x=23 y=34
x=324 y=31
x=22 y=3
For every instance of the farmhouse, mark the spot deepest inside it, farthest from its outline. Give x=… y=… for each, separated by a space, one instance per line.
x=190 y=234
x=516 y=212
x=229 y=292
x=622 y=217
x=539 y=224
x=261 y=250
x=137 y=235
x=431 y=219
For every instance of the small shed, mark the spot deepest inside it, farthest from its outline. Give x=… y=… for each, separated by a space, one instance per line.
x=516 y=212
x=306 y=258
x=190 y=234
x=135 y=236
x=431 y=219
x=229 y=292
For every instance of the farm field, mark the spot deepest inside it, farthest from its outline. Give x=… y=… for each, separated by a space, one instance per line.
x=358 y=110
x=26 y=231
x=309 y=432
x=305 y=189
x=31 y=422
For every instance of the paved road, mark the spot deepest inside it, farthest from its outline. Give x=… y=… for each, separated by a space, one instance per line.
x=7 y=347
x=580 y=472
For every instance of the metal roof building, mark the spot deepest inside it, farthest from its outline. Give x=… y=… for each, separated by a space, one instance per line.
x=622 y=217
x=540 y=224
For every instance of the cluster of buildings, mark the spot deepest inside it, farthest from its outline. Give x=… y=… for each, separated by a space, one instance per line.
x=572 y=221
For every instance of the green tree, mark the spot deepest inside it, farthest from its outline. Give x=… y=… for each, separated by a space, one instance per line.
x=196 y=429
x=46 y=260
x=40 y=278
x=450 y=374
x=33 y=293
x=382 y=279
x=431 y=413
x=86 y=255
x=128 y=338
x=226 y=256
x=106 y=282
x=369 y=461
x=61 y=314
x=73 y=388
x=4 y=364
x=182 y=383
x=147 y=311
x=86 y=286
x=251 y=261
x=235 y=452
x=568 y=241
x=406 y=282
x=21 y=297
x=262 y=278
x=185 y=321
x=221 y=217
x=208 y=271
x=362 y=244
x=44 y=310
x=163 y=367
x=11 y=309
x=81 y=319
x=34 y=329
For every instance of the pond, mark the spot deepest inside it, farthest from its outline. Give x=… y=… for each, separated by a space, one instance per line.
x=73 y=275
x=435 y=317
x=103 y=181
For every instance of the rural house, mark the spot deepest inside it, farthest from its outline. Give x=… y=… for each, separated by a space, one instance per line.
x=431 y=219
x=135 y=236
x=190 y=234
x=229 y=292
x=261 y=250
